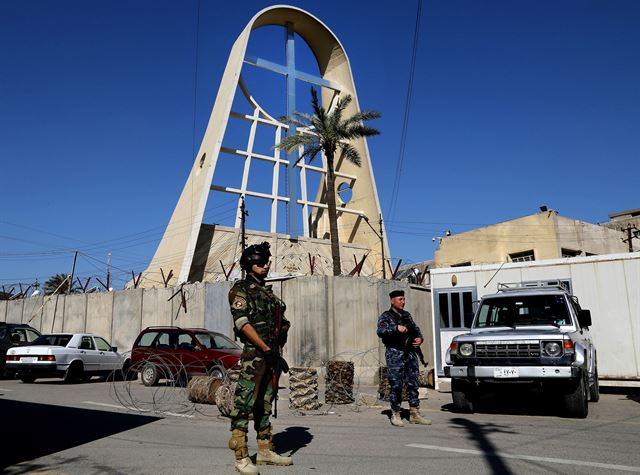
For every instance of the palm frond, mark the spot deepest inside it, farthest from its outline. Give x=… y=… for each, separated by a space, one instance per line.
x=292 y=142
x=362 y=116
x=357 y=131
x=349 y=152
x=310 y=152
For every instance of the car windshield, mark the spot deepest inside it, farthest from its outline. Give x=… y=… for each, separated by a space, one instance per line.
x=52 y=340
x=215 y=341
x=521 y=310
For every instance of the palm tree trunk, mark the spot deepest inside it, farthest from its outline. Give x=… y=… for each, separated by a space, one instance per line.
x=333 y=216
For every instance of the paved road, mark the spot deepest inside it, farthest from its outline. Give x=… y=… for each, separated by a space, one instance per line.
x=54 y=428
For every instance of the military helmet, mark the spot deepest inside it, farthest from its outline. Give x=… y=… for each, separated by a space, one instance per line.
x=258 y=254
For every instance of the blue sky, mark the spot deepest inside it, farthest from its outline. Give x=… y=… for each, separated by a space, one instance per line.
x=515 y=105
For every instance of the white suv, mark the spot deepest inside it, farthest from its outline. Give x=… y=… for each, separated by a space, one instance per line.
x=534 y=333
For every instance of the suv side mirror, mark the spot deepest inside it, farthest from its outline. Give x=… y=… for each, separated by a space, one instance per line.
x=584 y=318
x=114 y=349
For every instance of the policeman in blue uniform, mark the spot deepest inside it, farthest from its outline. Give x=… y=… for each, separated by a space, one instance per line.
x=401 y=336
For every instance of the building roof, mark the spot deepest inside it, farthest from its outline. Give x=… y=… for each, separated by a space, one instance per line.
x=624 y=214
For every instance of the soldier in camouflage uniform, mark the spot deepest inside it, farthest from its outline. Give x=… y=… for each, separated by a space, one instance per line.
x=395 y=327
x=254 y=308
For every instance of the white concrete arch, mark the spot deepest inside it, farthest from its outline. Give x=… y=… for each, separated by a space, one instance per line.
x=179 y=244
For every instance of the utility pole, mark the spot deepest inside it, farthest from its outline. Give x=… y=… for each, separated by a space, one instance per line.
x=73 y=269
x=632 y=232
x=384 y=267
x=108 y=272
x=243 y=226
x=366 y=220
x=243 y=214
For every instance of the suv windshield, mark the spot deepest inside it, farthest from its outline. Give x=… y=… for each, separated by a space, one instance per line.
x=52 y=340
x=520 y=310
x=215 y=341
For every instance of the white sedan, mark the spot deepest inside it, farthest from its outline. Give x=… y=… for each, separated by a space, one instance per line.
x=70 y=356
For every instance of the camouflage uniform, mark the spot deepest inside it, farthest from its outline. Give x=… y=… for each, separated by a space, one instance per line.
x=255 y=303
x=402 y=361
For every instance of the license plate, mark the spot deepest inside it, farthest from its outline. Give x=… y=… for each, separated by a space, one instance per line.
x=505 y=372
x=28 y=359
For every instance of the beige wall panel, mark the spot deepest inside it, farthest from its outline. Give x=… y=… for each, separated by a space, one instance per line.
x=3 y=310
x=217 y=316
x=100 y=314
x=306 y=300
x=32 y=312
x=75 y=312
x=53 y=314
x=14 y=311
x=194 y=316
x=156 y=310
x=127 y=317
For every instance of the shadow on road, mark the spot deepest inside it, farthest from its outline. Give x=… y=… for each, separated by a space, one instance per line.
x=292 y=439
x=34 y=430
x=631 y=393
x=516 y=401
x=478 y=433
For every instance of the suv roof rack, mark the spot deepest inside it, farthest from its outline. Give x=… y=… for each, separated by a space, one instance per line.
x=532 y=285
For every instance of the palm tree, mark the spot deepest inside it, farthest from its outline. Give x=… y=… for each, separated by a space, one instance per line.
x=59 y=284
x=329 y=132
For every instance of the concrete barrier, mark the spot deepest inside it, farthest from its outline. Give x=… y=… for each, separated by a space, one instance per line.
x=127 y=318
x=75 y=313
x=331 y=317
x=14 y=311
x=100 y=314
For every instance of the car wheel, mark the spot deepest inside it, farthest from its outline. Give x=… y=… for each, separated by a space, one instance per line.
x=216 y=371
x=27 y=378
x=462 y=395
x=74 y=373
x=594 y=389
x=576 y=400
x=150 y=374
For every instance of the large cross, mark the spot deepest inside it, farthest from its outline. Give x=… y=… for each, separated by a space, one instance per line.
x=289 y=70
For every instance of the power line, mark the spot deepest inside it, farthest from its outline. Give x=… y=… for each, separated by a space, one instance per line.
x=405 y=121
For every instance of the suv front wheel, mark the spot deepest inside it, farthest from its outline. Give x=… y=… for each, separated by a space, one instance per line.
x=576 y=399
x=462 y=395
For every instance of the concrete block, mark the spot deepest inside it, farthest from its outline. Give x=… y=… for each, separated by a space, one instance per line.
x=100 y=314
x=308 y=312
x=53 y=314
x=75 y=312
x=127 y=317
x=217 y=315
x=32 y=312
x=156 y=311
x=14 y=311
x=194 y=295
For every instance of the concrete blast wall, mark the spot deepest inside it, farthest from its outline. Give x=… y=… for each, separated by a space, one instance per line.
x=331 y=317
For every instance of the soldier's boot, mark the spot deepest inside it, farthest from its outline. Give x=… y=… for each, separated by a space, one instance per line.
x=266 y=455
x=396 y=420
x=238 y=443
x=416 y=417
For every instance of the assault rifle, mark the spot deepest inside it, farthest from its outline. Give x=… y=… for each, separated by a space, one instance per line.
x=279 y=363
x=412 y=334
